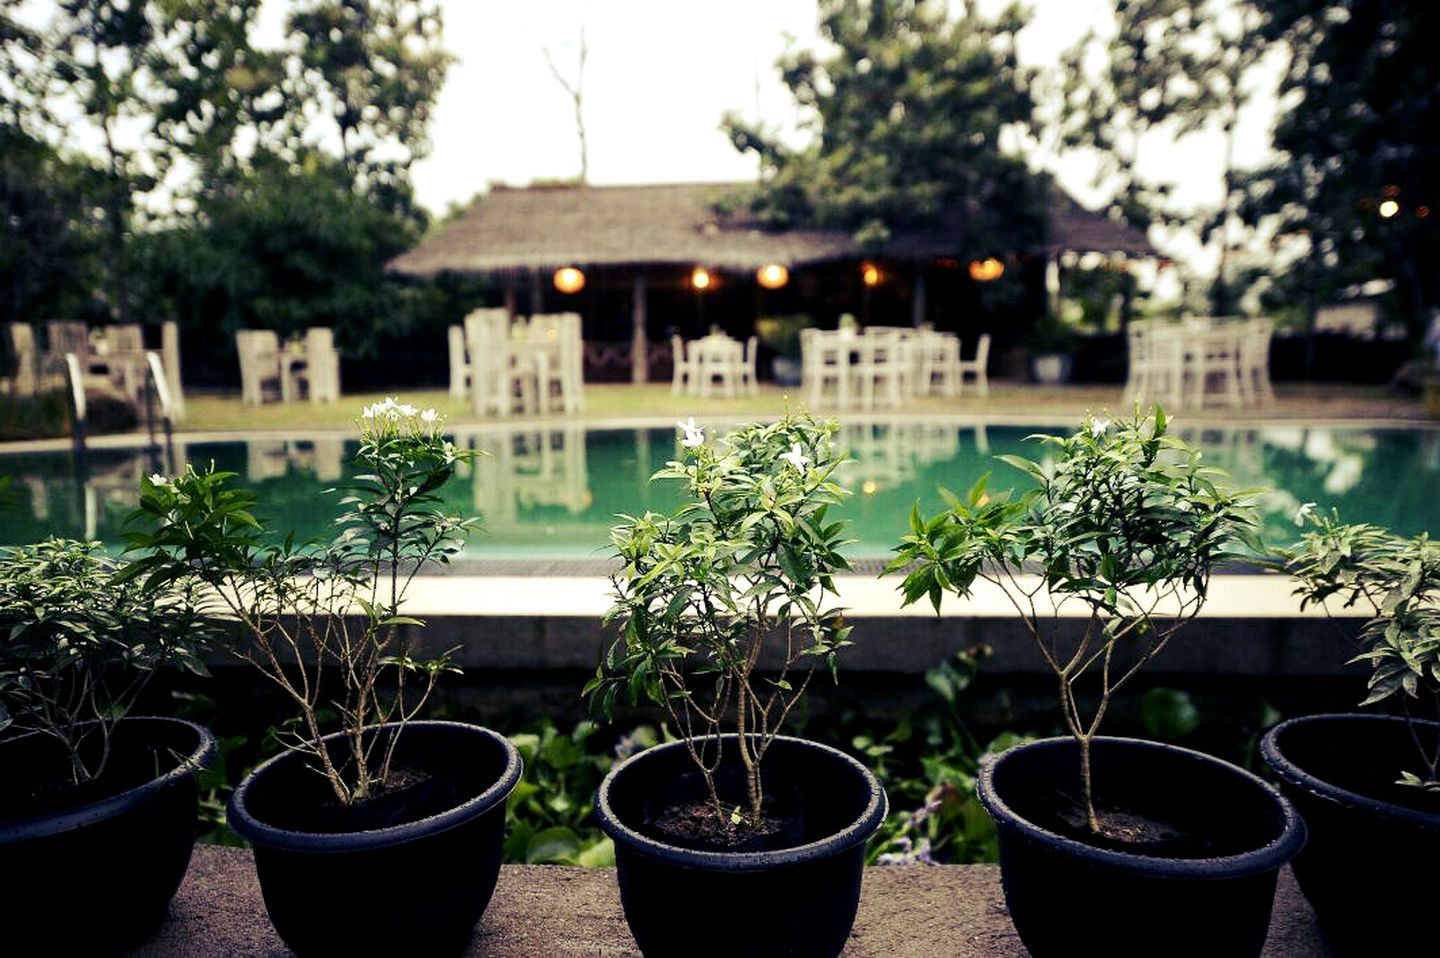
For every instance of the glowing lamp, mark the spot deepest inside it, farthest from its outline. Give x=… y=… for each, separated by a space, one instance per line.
x=772 y=276
x=1389 y=208
x=870 y=274
x=700 y=278
x=986 y=270
x=568 y=279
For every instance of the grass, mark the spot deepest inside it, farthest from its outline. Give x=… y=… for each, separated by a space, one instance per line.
x=1007 y=400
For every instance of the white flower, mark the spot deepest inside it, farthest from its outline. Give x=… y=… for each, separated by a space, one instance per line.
x=796 y=457
x=449 y=451
x=430 y=416
x=368 y=413
x=1098 y=427
x=1303 y=513
x=694 y=436
x=158 y=480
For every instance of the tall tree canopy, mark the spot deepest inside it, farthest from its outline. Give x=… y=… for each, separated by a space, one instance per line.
x=151 y=136
x=914 y=121
x=1360 y=145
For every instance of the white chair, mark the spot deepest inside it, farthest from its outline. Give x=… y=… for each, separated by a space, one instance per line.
x=459 y=362
x=259 y=354
x=555 y=338
x=26 y=380
x=718 y=363
x=1255 y=385
x=974 y=367
x=683 y=365
x=825 y=361
x=314 y=367
x=497 y=382
x=1212 y=359
x=748 y=382
x=170 y=358
x=879 y=372
x=938 y=363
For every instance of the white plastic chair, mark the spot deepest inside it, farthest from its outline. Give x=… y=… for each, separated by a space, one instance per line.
x=748 y=383
x=459 y=362
x=879 y=372
x=825 y=361
x=974 y=367
x=1255 y=385
x=321 y=370
x=557 y=336
x=683 y=377
x=939 y=364
x=259 y=354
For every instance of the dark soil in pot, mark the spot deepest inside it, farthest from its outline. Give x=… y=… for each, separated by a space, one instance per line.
x=95 y=866
x=792 y=890
x=425 y=851
x=1195 y=876
x=1368 y=835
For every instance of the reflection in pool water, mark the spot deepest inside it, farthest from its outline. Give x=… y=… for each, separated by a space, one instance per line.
x=555 y=492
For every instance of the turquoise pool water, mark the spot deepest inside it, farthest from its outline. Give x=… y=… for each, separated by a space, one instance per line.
x=554 y=493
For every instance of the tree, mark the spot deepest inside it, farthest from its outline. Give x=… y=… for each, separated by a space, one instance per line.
x=914 y=123
x=373 y=69
x=1359 y=144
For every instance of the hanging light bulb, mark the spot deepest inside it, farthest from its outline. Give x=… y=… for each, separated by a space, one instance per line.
x=870 y=274
x=986 y=270
x=700 y=278
x=772 y=276
x=569 y=279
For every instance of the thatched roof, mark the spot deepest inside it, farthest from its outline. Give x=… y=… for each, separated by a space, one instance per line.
x=551 y=226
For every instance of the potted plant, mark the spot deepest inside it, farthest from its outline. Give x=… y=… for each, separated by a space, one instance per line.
x=1052 y=351
x=1123 y=525
x=420 y=803
x=87 y=791
x=721 y=624
x=1368 y=785
x=781 y=336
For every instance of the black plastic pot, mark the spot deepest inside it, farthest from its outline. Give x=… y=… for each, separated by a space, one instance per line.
x=1359 y=868
x=409 y=877
x=1068 y=897
x=799 y=900
x=94 y=871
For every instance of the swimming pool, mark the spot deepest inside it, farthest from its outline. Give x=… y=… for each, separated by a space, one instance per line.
x=554 y=492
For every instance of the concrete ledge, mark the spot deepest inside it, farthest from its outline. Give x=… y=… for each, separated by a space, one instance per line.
x=546 y=910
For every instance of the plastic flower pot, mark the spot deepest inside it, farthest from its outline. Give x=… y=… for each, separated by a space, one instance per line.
x=1069 y=896
x=406 y=873
x=91 y=869
x=1367 y=834
x=796 y=900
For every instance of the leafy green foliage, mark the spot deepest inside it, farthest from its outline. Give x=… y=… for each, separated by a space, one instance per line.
x=1124 y=520
x=911 y=115
x=1398 y=580
x=550 y=818
x=79 y=641
x=296 y=604
x=929 y=762
x=742 y=565
x=1361 y=129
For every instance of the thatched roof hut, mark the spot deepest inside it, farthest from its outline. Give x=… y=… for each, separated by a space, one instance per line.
x=637 y=246
x=547 y=227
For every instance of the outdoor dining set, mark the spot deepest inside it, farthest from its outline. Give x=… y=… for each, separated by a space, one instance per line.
x=308 y=365
x=884 y=366
x=112 y=357
x=1200 y=361
x=529 y=366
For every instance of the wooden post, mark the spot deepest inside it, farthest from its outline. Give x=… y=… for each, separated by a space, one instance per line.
x=170 y=357
x=512 y=296
x=639 y=341
x=918 y=304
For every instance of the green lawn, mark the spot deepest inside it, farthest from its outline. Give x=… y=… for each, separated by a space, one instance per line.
x=654 y=400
